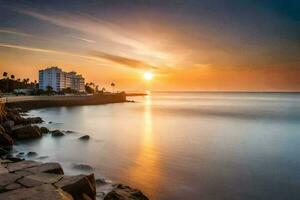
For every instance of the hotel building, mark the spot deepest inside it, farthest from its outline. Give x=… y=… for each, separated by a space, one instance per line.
x=58 y=79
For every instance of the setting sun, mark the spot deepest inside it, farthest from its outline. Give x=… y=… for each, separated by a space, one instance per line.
x=148 y=76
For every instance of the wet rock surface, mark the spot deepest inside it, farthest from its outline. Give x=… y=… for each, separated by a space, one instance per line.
x=85 y=137
x=57 y=133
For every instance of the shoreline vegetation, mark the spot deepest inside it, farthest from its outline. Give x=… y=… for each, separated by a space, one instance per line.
x=20 y=178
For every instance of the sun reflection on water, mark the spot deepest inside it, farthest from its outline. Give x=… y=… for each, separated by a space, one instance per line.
x=146 y=170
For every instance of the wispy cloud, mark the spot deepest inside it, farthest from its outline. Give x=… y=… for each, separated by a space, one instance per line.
x=14 y=32
x=84 y=39
x=133 y=63
x=86 y=24
x=98 y=56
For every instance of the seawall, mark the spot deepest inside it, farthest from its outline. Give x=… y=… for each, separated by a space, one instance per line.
x=32 y=102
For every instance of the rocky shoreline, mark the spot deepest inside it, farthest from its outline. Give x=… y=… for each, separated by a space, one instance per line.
x=28 y=179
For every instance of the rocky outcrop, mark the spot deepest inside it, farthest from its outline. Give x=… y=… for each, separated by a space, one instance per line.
x=44 y=130
x=85 y=137
x=122 y=192
x=26 y=132
x=5 y=139
x=57 y=133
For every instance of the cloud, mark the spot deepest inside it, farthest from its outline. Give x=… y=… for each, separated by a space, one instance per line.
x=98 y=56
x=86 y=24
x=13 y=32
x=133 y=63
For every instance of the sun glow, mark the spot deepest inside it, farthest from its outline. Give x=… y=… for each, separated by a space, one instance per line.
x=148 y=76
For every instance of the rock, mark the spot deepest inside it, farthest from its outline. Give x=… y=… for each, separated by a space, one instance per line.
x=70 y=131
x=28 y=182
x=100 y=181
x=78 y=185
x=22 y=165
x=13 y=159
x=3 y=152
x=26 y=131
x=84 y=167
x=44 y=130
x=42 y=192
x=5 y=139
x=121 y=192
x=45 y=177
x=34 y=120
x=3 y=170
x=8 y=124
x=50 y=122
x=8 y=178
x=31 y=154
x=85 y=137
x=42 y=157
x=2 y=129
x=13 y=186
x=53 y=168
x=57 y=133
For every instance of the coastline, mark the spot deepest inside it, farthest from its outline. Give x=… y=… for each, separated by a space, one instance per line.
x=14 y=127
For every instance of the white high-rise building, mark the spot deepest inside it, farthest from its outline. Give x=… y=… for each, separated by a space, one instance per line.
x=58 y=79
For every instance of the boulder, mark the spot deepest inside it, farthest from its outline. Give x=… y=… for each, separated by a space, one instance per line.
x=79 y=185
x=57 y=133
x=53 y=168
x=44 y=130
x=8 y=124
x=83 y=167
x=26 y=131
x=85 y=137
x=3 y=152
x=33 y=120
x=31 y=154
x=15 y=166
x=2 y=129
x=122 y=192
x=42 y=192
x=5 y=139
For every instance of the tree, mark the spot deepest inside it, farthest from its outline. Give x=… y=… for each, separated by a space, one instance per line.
x=49 y=90
x=5 y=74
x=113 y=86
x=89 y=89
x=12 y=77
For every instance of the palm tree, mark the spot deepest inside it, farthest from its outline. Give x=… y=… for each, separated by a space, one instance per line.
x=113 y=86
x=5 y=74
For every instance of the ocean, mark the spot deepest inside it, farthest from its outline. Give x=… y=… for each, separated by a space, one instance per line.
x=181 y=145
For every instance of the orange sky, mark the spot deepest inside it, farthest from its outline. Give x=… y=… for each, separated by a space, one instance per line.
x=247 y=50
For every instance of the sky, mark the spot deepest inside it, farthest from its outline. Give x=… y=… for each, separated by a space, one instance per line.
x=188 y=45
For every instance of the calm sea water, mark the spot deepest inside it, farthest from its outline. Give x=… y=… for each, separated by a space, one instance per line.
x=185 y=145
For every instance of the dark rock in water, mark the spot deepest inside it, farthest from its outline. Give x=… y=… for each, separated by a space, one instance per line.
x=85 y=137
x=122 y=192
x=44 y=130
x=50 y=122
x=42 y=192
x=70 y=131
x=57 y=133
x=79 y=185
x=31 y=154
x=33 y=120
x=100 y=181
x=20 y=155
x=42 y=157
x=84 y=167
x=5 y=139
x=13 y=159
x=26 y=131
